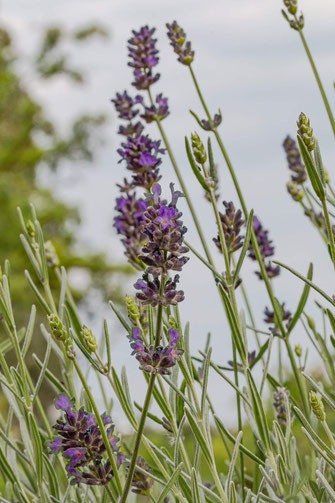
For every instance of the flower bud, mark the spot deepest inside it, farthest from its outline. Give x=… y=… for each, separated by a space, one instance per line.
x=198 y=148
x=305 y=131
x=181 y=46
x=298 y=350
x=317 y=405
x=89 y=338
x=141 y=483
x=291 y=6
x=167 y=425
x=172 y=322
x=295 y=191
x=69 y=349
x=298 y=24
x=57 y=328
x=311 y=323
x=133 y=311
x=280 y=399
x=30 y=228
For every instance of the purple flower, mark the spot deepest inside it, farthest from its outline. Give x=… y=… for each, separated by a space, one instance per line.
x=211 y=125
x=177 y=38
x=271 y=270
x=141 y=483
x=136 y=344
x=270 y=315
x=150 y=291
x=80 y=441
x=106 y=419
x=232 y=223
x=129 y=223
x=75 y=454
x=124 y=105
x=63 y=403
x=294 y=160
x=56 y=445
x=266 y=249
x=156 y=112
x=157 y=360
x=143 y=57
x=141 y=156
x=131 y=129
x=165 y=231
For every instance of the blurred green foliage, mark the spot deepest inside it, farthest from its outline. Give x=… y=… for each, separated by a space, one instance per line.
x=30 y=142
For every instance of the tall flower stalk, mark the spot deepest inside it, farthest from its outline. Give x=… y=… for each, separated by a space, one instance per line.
x=297 y=24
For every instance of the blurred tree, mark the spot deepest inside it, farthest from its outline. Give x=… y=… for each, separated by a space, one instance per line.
x=28 y=141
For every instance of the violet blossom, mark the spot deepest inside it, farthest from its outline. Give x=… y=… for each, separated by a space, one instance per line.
x=143 y=57
x=164 y=248
x=156 y=360
x=129 y=223
x=80 y=442
x=232 y=223
x=141 y=156
x=266 y=249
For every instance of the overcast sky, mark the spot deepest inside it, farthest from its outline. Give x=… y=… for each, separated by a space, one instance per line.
x=249 y=64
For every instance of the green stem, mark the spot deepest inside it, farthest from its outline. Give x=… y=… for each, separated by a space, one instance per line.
x=329 y=231
x=100 y=424
x=145 y=405
x=318 y=80
x=234 y=304
x=138 y=439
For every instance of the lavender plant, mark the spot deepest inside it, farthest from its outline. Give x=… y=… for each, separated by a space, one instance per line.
x=84 y=456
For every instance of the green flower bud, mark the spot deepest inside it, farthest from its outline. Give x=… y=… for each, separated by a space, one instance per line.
x=317 y=405
x=172 y=322
x=311 y=323
x=57 y=328
x=305 y=131
x=198 y=148
x=299 y=24
x=132 y=308
x=69 y=349
x=295 y=191
x=30 y=228
x=298 y=350
x=291 y=6
x=89 y=338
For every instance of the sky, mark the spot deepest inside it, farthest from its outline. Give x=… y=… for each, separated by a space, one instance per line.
x=252 y=66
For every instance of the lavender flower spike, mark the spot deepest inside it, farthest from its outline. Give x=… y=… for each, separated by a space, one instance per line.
x=232 y=223
x=157 y=111
x=80 y=441
x=177 y=37
x=294 y=161
x=141 y=483
x=129 y=223
x=266 y=249
x=156 y=360
x=141 y=156
x=143 y=56
x=124 y=105
x=150 y=291
x=164 y=248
